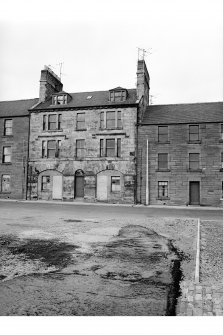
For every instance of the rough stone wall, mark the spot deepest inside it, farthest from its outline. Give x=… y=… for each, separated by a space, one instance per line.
x=179 y=176
x=92 y=163
x=17 y=168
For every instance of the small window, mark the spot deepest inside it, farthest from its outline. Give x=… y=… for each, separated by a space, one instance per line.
x=193 y=133
x=115 y=184
x=7 y=155
x=162 y=133
x=162 y=189
x=44 y=149
x=44 y=122
x=80 y=148
x=162 y=161
x=222 y=160
x=59 y=121
x=102 y=148
x=194 y=161
x=221 y=131
x=102 y=120
x=119 y=119
x=8 y=127
x=45 y=185
x=80 y=121
x=119 y=147
x=6 y=184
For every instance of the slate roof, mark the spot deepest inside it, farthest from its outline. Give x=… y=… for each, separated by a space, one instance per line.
x=184 y=113
x=98 y=98
x=16 y=107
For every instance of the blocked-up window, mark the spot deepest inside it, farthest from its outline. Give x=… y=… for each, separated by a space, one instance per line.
x=194 y=161
x=162 y=161
x=193 y=133
x=162 y=189
x=80 y=121
x=162 y=133
x=8 y=127
x=115 y=184
x=6 y=185
x=45 y=184
x=7 y=155
x=80 y=148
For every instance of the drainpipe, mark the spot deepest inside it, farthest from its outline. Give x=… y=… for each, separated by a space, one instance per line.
x=147 y=172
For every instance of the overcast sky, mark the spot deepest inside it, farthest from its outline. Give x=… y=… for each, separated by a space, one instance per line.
x=97 y=42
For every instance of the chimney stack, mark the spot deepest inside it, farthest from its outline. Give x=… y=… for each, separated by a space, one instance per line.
x=143 y=87
x=49 y=84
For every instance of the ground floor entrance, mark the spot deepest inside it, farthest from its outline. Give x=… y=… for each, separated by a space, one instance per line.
x=194 y=193
x=57 y=191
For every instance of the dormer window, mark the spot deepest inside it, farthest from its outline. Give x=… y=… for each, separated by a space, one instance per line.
x=60 y=99
x=118 y=94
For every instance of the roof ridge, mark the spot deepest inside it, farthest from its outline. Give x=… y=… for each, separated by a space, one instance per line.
x=19 y=100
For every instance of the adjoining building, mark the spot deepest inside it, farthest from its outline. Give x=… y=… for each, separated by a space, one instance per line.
x=14 y=132
x=83 y=145
x=180 y=155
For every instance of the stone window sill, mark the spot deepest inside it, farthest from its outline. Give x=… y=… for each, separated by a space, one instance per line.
x=194 y=142
x=166 y=142
x=163 y=170
x=5 y=192
x=163 y=198
x=3 y=163
x=195 y=170
x=7 y=136
x=82 y=129
x=52 y=130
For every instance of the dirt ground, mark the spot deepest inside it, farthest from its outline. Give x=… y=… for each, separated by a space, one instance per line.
x=80 y=265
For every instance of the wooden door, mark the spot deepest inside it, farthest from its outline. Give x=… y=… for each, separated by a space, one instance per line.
x=194 y=193
x=102 y=188
x=57 y=187
x=79 y=187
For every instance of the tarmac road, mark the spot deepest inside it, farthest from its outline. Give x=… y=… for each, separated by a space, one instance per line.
x=106 y=210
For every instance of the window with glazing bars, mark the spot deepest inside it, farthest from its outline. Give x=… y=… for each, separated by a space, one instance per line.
x=193 y=133
x=80 y=148
x=162 y=133
x=162 y=189
x=8 y=127
x=162 y=161
x=110 y=120
x=194 y=161
x=45 y=184
x=80 y=121
x=51 y=149
x=7 y=155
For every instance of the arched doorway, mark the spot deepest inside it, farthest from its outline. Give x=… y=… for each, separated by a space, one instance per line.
x=79 y=184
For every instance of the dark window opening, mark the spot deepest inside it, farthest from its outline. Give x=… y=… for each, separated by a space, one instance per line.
x=162 y=189
x=162 y=161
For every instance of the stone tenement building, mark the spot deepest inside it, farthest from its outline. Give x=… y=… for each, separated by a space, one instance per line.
x=183 y=164
x=14 y=130
x=83 y=145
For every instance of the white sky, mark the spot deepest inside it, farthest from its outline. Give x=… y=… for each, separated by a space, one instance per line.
x=97 y=42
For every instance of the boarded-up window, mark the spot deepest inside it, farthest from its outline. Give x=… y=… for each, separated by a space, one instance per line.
x=162 y=189
x=80 y=121
x=7 y=155
x=162 y=161
x=115 y=184
x=6 y=187
x=193 y=133
x=194 y=161
x=80 y=148
x=162 y=133
x=8 y=127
